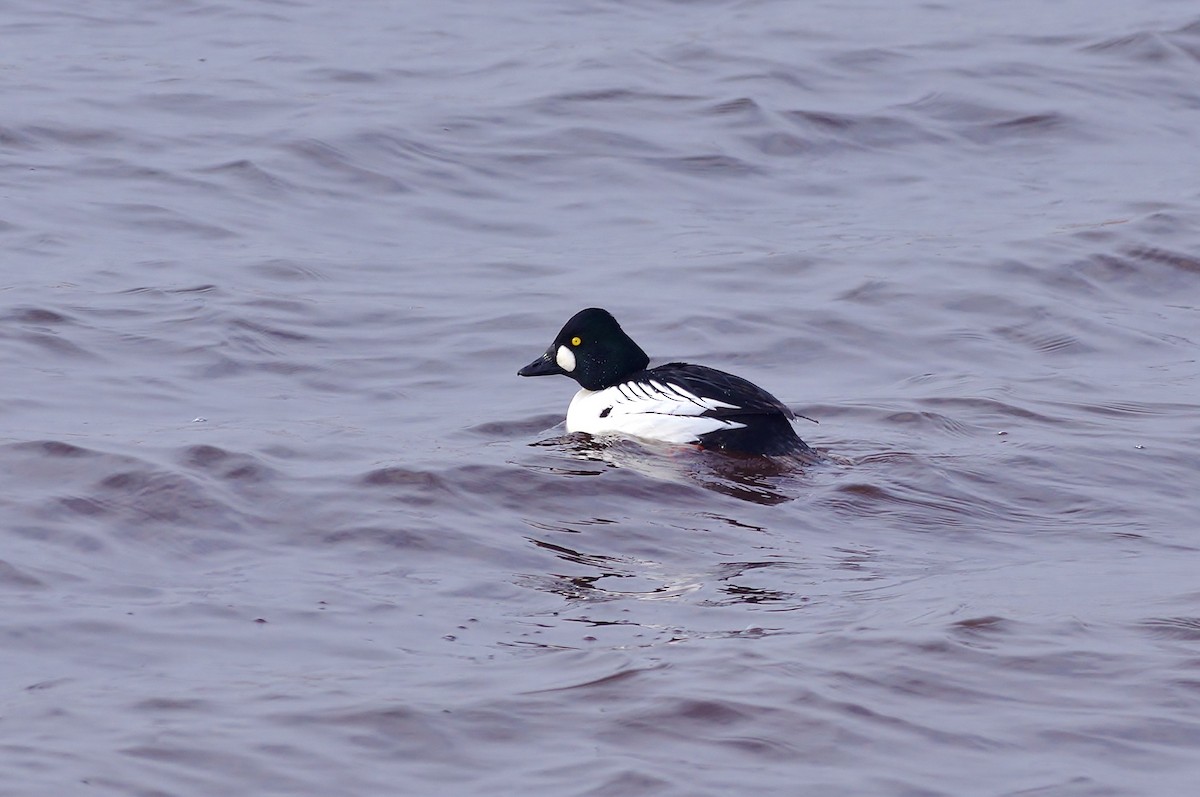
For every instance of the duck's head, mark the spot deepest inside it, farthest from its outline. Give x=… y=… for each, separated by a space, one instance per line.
x=592 y=349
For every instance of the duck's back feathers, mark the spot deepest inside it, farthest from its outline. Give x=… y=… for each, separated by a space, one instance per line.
x=743 y=396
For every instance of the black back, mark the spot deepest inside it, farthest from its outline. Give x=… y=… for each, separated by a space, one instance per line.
x=768 y=429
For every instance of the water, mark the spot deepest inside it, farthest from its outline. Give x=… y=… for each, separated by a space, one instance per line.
x=279 y=518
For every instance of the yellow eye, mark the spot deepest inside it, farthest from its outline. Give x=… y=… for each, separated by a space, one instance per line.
x=575 y=341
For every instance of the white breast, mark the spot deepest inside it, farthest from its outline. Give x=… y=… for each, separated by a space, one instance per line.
x=652 y=410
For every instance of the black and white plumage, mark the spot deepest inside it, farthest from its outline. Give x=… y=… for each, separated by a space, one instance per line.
x=674 y=403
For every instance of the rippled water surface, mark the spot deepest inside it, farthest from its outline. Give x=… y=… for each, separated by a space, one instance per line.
x=278 y=517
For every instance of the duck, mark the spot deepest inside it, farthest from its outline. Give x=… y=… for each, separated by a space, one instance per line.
x=674 y=403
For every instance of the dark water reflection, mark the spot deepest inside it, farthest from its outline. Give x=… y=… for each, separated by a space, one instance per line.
x=760 y=479
x=277 y=517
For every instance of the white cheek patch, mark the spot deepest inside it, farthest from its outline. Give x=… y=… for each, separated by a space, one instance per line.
x=565 y=359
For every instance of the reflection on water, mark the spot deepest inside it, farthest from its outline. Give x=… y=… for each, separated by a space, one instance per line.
x=758 y=479
x=614 y=578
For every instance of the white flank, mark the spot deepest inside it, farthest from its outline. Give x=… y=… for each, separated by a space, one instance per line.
x=652 y=410
x=565 y=359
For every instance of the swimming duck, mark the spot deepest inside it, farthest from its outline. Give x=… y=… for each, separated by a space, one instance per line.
x=673 y=403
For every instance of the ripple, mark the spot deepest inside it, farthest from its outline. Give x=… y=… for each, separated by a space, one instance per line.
x=54 y=448
x=1143 y=46
x=862 y=130
x=251 y=175
x=338 y=165
x=161 y=219
x=40 y=316
x=1039 y=337
x=12 y=577
x=705 y=165
x=226 y=465
x=1182 y=628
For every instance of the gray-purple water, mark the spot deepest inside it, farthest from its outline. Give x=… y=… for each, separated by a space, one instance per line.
x=278 y=518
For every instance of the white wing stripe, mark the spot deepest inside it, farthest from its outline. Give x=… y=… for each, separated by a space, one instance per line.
x=661 y=389
x=683 y=394
x=636 y=399
x=704 y=403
